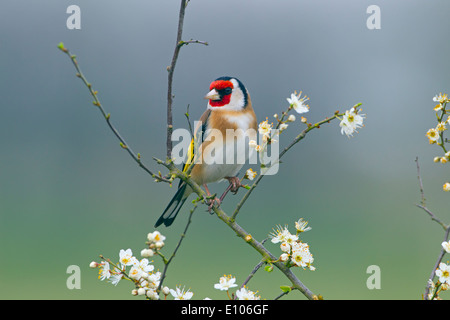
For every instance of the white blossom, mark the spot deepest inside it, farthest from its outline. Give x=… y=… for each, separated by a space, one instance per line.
x=180 y=294
x=225 y=283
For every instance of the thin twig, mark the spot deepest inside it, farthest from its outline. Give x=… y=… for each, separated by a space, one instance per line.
x=255 y=269
x=107 y=116
x=420 y=183
x=422 y=201
x=182 y=43
x=179 y=44
x=183 y=235
x=252 y=273
x=284 y=294
x=435 y=218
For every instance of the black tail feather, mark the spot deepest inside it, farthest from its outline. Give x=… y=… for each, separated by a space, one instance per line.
x=174 y=206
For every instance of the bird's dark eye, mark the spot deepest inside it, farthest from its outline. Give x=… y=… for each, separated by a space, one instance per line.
x=227 y=91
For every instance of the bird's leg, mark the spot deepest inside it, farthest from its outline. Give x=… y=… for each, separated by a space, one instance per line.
x=211 y=201
x=225 y=193
x=235 y=184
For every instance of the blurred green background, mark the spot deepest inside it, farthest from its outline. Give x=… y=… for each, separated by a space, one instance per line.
x=69 y=192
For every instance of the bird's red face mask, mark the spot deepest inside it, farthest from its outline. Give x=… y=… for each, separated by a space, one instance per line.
x=220 y=93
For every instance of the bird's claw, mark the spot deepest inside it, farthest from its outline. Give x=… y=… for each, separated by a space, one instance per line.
x=235 y=184
x=211 y=203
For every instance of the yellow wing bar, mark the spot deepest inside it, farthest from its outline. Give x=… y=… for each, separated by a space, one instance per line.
x=190 y=156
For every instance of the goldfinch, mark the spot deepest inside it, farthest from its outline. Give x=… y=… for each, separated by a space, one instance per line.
x=228 y=122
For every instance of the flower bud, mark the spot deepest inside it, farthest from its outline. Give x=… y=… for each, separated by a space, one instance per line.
x=284 y=257
x=165 y=291
x=147 y=253
x=159 y=244
x=141 y=291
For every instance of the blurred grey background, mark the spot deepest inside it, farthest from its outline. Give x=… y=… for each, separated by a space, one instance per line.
x=68 y=192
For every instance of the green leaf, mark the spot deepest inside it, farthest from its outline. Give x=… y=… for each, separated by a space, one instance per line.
x=61 y=47
x=268 y=268
x=286 y=289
